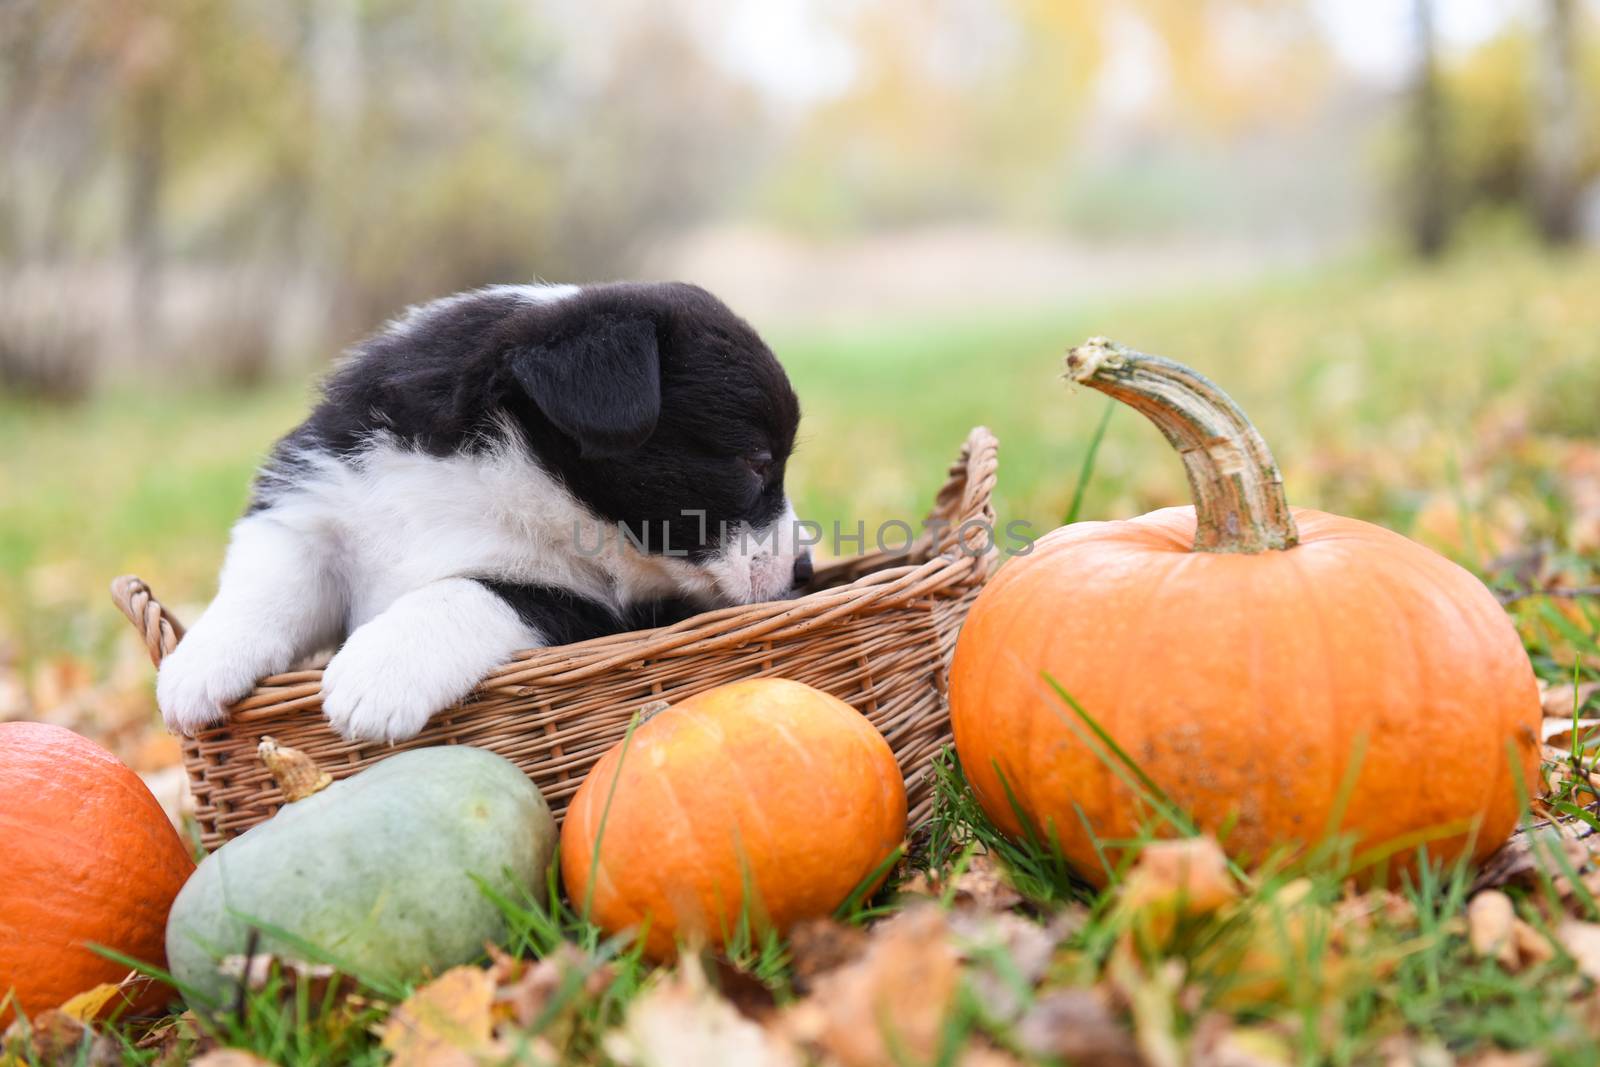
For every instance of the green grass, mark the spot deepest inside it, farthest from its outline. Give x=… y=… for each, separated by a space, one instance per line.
x=1324 y=992
x=1388 y=392
x=1324 y=995
x=1377 y=385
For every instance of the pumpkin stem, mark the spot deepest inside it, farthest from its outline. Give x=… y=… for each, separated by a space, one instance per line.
x=1239 y=504
x=294 y=771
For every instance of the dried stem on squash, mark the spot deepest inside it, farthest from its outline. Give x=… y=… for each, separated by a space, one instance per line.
x=1238 y=493
x=296 y=773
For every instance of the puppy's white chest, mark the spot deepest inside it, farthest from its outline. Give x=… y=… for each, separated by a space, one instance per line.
x=400 y=519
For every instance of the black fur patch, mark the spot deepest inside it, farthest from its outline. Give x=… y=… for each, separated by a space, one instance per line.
x=653 y=404
x=564 y=617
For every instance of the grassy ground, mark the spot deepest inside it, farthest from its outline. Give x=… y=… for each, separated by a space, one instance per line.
x=1458 y=404
x=1382 y=389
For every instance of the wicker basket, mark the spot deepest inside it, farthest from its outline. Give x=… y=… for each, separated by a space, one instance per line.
x=876 y=631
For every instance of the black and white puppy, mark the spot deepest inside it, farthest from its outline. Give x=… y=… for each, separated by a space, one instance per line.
x=504 y=469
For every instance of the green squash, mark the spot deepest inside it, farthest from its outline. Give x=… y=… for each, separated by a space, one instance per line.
x=377 y=871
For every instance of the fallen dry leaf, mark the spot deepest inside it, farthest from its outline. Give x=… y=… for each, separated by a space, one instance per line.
x=59 y=679
x=975 y=1055
x=52 y=1038
x=1274 y=942
x=1491 y=927
x=1527 y=852
x=91 y=1002
x=1077 y=1026
x=1492 y=529
x=503 y=966
x=1532 y=947
x=1403 y=1050
x=749 y=995
x=1559 y=700
x=175 y=1040
x=528 y=991
x=1495 y=932
x=1218 y=1042
x=1558 y=732
x=818 y=946
x=1173 y=880
x=682 y=1022
x=1581 y=480
x=1006 y=956
x=896 y=996
x=14 y=700
x=443 y=1024
x=1581 y=940
x=320 y=981
x=1360 y=912
x=1501 y=1058
x=229 y=1057
x=983 y=884
x=1152 y=999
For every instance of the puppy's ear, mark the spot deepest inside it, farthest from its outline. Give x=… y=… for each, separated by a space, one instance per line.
x=600 y=384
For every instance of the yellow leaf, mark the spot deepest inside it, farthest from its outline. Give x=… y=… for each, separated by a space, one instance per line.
x=444 y=1023
x=1532 y=946
x=1581 y=940
x=1220 y=1043
x=230 y=1057
x=87 y=1005
x=1174 y=880
x=1491 y=927
x=895 y=999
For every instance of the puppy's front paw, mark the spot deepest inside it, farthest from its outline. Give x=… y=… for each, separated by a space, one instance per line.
x=383 y=687
x=202 y=676
x=425 y=653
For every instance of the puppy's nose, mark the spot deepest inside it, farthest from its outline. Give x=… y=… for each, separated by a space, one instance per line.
x=803 y=570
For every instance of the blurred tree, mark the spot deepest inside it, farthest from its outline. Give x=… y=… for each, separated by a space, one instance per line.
x=252 y=176
x=143 y=59
x=1508 y=150
x=1429 y=207
x=1557 y=180
x=978 y=107
x=1238 y=63
x=648 y=144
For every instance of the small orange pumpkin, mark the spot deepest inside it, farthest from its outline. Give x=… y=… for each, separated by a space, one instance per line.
x=88 y=858
x=766 y=794
x=1246 y=658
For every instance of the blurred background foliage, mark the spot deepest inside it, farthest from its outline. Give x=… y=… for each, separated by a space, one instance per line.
x=228 y=186
x=1374 y=221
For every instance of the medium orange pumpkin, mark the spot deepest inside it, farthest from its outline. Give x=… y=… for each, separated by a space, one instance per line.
x=88 y=858
x=1246 y=658
x=764 y=792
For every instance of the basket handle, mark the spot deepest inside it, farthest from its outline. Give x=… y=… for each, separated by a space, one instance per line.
x=159 y=627
x=968 y=495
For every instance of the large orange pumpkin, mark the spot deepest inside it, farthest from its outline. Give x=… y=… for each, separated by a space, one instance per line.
x=86 y=857
x=1246 y=658
x=764 y=798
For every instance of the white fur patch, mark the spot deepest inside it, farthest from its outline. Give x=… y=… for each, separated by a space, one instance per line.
x=427 y=651
x=532 y=294
x=379 y=547
x=278 y=599
x=757 y=564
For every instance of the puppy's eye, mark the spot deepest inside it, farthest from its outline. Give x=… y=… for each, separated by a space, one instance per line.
x=760 y=464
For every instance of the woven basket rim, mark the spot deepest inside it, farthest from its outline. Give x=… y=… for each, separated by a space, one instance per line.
x=942 y=560
x=881 y=629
